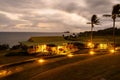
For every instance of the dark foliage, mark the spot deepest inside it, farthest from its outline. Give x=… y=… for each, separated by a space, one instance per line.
x=4 y=47
x=72 y=37
x=94 y=20
x=17 y=54
x=108 y=31
x=79 y=45
x=51 y=45
x=16 y=47
x=24 y=48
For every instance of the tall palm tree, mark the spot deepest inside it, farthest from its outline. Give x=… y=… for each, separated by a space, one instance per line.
x=94 y=21
x=114 y=15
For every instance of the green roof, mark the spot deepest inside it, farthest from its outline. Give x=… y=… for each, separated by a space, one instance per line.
x=57 y=40
x=46 y=39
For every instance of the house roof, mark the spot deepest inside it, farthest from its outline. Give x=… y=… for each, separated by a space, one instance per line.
x=46 y=39
x=57 y=40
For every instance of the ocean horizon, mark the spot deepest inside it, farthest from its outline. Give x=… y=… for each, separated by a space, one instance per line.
x=13 y=38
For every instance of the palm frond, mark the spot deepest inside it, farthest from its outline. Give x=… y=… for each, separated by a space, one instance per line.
x=116 y=9
x=118 y=15
x=89 y=23
x=107 y=15
x=97 y=24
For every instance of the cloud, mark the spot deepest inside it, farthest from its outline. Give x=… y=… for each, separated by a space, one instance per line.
x=53 y=15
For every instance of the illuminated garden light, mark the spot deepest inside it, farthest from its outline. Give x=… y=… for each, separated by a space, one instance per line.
x=70 y=55
x=91 y=52
x=89 y=44
x=112 y=51
x=4 y=73
x=41 y=60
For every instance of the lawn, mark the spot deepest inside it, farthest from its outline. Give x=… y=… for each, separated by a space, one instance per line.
x=11 y=59
x=105 y=67
x=102 y=39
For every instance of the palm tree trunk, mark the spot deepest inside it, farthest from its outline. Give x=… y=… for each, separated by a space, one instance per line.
x=92 y=32
x=114 y=34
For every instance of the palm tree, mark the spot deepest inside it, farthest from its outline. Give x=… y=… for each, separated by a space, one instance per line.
x=94 y=21
x=114 y=15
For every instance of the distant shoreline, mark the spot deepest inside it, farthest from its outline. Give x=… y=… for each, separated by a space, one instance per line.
x=12 y=38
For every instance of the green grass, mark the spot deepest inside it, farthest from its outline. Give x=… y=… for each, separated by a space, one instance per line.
x=87 y=67
x=31 y=71
x=100 y=39
x=12 y=56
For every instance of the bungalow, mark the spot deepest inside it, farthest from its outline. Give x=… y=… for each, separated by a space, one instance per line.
x=49 y=45
x=101 y=44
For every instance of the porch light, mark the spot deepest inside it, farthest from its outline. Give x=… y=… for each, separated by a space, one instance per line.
x=90 y=45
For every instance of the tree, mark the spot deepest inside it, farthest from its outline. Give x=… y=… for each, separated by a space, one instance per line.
x=4 y=47
x=114 y=15
x=94 y=21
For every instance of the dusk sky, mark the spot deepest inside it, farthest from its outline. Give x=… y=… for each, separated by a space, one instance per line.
x=53 y=15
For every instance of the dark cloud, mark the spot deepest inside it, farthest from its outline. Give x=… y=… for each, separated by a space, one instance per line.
x=4 y=19
x=99 y=6
x=69 y=7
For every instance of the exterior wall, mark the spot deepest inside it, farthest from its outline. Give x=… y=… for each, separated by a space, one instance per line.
x=37 y=49
x=65 y=49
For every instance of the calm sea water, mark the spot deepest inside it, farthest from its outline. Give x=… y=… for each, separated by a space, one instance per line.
x=13 y=38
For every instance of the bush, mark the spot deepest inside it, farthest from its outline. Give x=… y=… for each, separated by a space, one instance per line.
x=4 y=47
x=51 y=45
x=79 y=45
x=16 y=47
x=17 y=54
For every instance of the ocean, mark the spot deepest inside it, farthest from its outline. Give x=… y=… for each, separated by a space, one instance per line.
x=13 y=38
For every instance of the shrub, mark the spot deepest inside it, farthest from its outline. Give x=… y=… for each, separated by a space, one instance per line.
x=17 y=54
x=4 y=47
x=79 y=45
x=16 y=47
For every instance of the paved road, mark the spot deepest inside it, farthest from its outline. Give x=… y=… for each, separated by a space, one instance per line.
x=31 y=71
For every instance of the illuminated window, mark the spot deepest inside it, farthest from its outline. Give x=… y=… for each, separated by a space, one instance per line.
x=103 y=46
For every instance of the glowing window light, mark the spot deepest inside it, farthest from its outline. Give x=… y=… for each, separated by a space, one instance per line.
x=103 y=46
x=60 y=47
x=44 y=48
x=90 y=45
